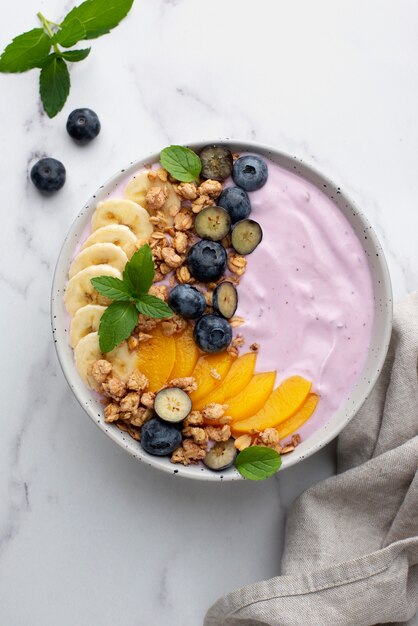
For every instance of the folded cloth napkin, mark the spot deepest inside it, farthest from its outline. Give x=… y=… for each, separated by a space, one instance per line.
x=351 y=550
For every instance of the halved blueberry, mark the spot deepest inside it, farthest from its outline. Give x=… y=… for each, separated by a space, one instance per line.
x=212 y=333
x=160 y=438
x=206 y=260
x=225 y=299
x=221 y=455
x=250 y=172
x=216 y=162
x=212 y=223
x=187 y=301
x=245 y=236
x=236 y=201
x=172 y=404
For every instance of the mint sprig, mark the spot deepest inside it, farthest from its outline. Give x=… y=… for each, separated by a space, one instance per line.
x=40 y=47
x=182 y=163
x=258 y=462
x=129 y=297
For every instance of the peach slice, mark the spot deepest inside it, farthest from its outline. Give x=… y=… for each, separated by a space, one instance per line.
x=285 y=400
x=156 y=358
x=187 y=354
x=209 y=372
x=236 y=379
x=253 y=397
x=300 y=417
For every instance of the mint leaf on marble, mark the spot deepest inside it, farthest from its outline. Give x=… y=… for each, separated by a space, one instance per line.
x=71 y=31
x=258 y=462
x=116 y=324
x=182 y=163
x=40 y=47
x=98 y=17
x=54 y=86
x=26 y=51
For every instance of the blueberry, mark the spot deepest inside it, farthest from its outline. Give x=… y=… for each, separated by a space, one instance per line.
x=216 y=162
x=212 y=333
x=48 y=175
x=187 y=301
x=207 y=260
x=83 y=125
x=249 y=172
x=236 y=201
x=160 y=438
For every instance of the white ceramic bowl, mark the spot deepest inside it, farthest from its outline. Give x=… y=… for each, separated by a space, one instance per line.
x=379 y=342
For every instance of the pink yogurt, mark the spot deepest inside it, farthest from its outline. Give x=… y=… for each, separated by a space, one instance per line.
x=307 y=296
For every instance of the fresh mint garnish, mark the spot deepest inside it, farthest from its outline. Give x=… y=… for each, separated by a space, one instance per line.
x=182 y=163
x=40 y=47
x=129 y=297
x=116 y=324
x=258 y=462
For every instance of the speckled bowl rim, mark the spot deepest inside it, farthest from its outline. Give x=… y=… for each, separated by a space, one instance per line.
x=380 y=335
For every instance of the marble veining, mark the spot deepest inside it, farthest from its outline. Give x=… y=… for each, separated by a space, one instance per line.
x=87 y=534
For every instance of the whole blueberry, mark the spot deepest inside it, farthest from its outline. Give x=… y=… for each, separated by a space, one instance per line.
x=48 y=175
x=212 y=333
x=187 y=301
x=236 y=201
x=207 y=260
x=83 y=125
x=249 y=172
x=160 y=438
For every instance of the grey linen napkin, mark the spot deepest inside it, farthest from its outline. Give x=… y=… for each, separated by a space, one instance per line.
x=351 y=553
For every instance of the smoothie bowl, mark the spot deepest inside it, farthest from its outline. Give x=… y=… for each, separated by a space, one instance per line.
x=221 y=310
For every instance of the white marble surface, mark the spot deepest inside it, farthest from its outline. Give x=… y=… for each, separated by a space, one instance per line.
x=87 y=535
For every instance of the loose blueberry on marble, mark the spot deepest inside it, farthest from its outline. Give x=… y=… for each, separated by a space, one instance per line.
x=212 y=333
x=221 y=456
x=187 y=301
x=160 y=438
x=48 y=175
x=236 y=201
x=206 y=260
x=250 y=172
x=216 y=162
x=83 y=125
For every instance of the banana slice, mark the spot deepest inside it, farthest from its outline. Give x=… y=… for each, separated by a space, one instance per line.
x=123 y=361
x=80 y=291
x=118 y=234
x=85 y=321
x=124 y=212
x=138 y=187
x=99 y=254
x=87 y=351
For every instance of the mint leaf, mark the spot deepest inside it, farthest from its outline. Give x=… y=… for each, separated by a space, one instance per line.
x=182 y=163
x=153 y=307
x=258 y=462
x=99 y=16
x=76 y=55
x=116 y=324
x=70 y=32
x=54 y=86
x=139 y=271
x=112 y=288
x=26 y=51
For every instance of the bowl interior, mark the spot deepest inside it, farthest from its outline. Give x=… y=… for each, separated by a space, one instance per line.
x=379 y=340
